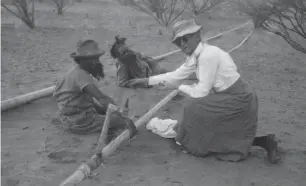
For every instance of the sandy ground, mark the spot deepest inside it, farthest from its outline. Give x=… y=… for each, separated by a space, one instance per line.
x=33 y=152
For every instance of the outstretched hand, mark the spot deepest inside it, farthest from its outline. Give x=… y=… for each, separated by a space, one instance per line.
x=166 y=85
x=139 y=83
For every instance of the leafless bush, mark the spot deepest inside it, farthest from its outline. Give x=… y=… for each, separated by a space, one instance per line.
x=165 y=12
x=201 y=6
x=23 y=11
x=61 y=5
x=285 y=18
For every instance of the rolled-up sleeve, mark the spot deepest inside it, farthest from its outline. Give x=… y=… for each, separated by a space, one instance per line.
x=82 y=79
x=208 y=63
x=170 y=77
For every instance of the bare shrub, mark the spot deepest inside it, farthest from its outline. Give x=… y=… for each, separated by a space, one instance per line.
x=285 y=18
x=165 y=12
x=61 y=5
x=25 y=11
x=201 y=6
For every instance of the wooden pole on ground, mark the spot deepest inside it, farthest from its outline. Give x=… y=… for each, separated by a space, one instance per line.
x=26 y=98
x=32 y=96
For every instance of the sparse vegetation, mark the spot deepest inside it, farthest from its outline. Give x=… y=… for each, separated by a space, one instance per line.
x=25 y=11
x=165 y=12
x=201 y=6
x=61 y=5
x=285 y=18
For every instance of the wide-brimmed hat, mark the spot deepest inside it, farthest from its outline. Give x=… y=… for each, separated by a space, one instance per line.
x=86 y=49
x=184 y=27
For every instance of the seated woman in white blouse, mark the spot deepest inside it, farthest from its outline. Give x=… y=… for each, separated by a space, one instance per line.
x=222 y=123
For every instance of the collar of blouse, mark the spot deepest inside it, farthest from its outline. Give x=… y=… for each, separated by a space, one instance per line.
x=192 y=59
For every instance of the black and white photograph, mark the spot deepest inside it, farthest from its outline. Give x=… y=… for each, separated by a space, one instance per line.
x=153 y=92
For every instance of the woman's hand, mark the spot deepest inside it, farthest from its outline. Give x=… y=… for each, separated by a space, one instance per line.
x=139 y=83
x=165 y=85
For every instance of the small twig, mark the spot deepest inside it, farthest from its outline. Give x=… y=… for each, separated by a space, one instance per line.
x=124 y=108
x=45 y=142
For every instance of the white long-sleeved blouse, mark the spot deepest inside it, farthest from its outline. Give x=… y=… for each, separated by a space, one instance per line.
x=214 y=68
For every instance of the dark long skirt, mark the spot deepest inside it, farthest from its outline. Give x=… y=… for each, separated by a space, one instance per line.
x=223 y=123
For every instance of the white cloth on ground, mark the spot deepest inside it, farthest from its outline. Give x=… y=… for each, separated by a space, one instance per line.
x=162 y=127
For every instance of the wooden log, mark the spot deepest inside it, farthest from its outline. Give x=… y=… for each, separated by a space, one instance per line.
x=26 y=98
x=85 y=169
x=32 y=96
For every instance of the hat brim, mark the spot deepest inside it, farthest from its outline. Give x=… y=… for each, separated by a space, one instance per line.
x=74 y=55
x=190 y=30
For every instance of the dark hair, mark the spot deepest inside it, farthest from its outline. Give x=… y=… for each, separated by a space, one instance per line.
x=119 y=41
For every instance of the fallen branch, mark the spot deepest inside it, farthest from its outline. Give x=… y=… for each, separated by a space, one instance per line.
x=32 y=96
x=26 y=98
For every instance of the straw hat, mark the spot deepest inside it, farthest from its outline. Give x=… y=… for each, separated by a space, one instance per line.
x=86 y=49
x=184 y=27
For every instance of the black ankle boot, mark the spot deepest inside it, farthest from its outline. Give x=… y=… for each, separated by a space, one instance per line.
x=271 y=148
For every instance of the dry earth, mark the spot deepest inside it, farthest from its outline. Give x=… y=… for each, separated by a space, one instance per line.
x=35 y=153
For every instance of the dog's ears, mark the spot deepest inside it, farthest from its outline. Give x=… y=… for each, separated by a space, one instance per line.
x=117 y=38
x=120 y=40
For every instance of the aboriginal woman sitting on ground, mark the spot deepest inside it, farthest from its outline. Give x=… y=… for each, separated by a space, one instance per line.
x=75 y=92
x=222 y=123
x=132 y=64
